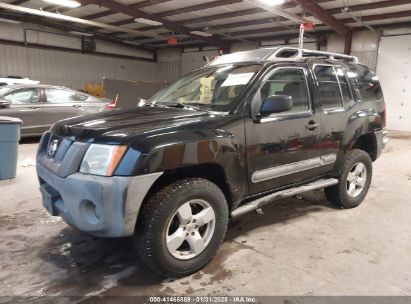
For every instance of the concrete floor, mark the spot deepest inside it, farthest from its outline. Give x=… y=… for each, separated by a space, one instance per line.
x=298 y=247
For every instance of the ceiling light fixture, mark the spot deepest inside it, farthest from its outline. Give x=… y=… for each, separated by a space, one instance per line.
x=81 y=33
x=148 y=21
x=271 y=6
x=272 y=2
x=200 y=33
x=67 y=3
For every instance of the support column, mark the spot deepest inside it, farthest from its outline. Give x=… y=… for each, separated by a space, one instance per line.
x=348 y=42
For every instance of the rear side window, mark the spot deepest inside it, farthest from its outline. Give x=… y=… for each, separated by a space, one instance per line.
x=23 y=96
x=366 y=81
x=345 y=88
x=328 y=88
x=62 y=96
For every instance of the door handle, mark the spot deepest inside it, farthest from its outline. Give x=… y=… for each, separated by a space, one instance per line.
x=312 y=125
x=33 y=107
x=77 y=106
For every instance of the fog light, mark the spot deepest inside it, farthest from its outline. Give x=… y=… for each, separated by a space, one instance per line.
x=89 y=212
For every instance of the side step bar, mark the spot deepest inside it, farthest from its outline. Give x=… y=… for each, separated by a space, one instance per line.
x=258 y=203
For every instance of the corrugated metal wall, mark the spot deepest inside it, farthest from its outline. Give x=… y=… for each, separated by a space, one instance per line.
x=74 y=70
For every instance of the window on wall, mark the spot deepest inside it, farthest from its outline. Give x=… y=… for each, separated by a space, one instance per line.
x=291 y=82
x=23 y=96
x=366 y=81
x=329 y=90
x=345 y=88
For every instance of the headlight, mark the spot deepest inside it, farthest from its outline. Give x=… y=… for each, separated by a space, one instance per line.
x=102 y=159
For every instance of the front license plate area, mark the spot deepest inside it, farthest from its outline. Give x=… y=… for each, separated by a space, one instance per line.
x=48 y=201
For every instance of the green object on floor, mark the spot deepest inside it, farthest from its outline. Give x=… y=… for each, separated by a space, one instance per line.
x=9 y=143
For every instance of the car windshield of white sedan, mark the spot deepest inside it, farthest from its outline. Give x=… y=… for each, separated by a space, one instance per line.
x=213 y=88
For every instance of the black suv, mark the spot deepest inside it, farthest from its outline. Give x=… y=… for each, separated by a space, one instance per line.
x=246 y=129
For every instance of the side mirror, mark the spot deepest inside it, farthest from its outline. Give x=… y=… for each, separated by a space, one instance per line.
x=276 y=104
x=4 y=103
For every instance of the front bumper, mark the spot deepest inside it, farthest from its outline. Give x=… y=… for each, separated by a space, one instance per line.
x=98 y=205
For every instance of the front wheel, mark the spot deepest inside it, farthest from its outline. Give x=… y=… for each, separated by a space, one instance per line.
x=182 y=226
x=355 y=180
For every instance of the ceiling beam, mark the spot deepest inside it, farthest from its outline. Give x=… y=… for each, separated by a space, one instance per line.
x=99 y=15
x=260 y=21
x=197 y=7
x=240 y=13
x=323 y=15
x=19 y=2
x=394 y=15
x=136 y=13
x=250 y=11
x=66 y=18
x=345 y=20
x=180 y=11
x=67 y=27
x=370 y=6
x=271 y=21
x=141 y=4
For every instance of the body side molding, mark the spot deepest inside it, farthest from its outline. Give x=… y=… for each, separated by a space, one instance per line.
x=274 y=172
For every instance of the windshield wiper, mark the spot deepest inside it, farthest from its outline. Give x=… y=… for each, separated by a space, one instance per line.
x=180 y=105
x=191 y=106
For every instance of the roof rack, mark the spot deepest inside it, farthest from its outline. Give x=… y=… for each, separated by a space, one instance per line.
x=297 y=53
x=283 y=53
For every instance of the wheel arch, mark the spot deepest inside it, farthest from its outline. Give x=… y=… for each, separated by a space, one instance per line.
x=213 y=172
x=368 y=143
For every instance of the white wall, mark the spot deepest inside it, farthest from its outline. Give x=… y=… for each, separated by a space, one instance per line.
x=364 y=46
x=394 y=71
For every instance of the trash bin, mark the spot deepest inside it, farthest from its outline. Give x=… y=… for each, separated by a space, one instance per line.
x=9 y=143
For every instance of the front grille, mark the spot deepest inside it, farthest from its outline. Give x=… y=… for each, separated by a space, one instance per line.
x=60 y=155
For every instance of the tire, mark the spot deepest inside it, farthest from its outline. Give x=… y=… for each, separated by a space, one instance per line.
x=353 y=185
x=166 y=222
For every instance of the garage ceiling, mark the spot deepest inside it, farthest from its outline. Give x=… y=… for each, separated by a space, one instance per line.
x=224 y=21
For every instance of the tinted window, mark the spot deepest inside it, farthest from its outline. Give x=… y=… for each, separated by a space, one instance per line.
x=366 y=81
x=61 y=96
x=345 y=88
x=23 y=96
x=329 y=89
x=289 y=82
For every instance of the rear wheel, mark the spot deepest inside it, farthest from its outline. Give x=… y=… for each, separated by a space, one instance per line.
x=355 y=180
x=182 y=227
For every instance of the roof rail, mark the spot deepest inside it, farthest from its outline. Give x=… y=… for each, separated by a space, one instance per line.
x=297 y=53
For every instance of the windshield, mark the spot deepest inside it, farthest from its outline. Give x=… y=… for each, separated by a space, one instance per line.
x=214 y=88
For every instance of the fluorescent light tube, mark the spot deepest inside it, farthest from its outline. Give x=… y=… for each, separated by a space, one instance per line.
x=200 y=33
x=68 y=3
x=148 y=21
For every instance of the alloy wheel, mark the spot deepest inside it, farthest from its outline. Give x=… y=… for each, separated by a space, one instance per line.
x=356 y=180
x=190 y=229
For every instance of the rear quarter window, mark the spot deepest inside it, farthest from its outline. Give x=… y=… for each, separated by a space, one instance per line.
x=366 y=82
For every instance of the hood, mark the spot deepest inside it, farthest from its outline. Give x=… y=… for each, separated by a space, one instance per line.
x=120 y=125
